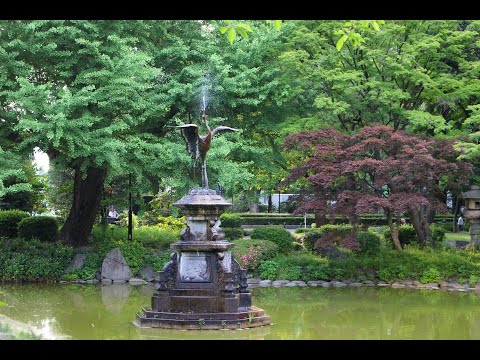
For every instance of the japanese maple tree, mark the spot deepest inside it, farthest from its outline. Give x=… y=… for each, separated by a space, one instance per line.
x=376 y=169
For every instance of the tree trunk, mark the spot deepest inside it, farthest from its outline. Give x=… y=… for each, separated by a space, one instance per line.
x=420 y=224
x=431 y=216
x=87 y=194
x=320 y=219
x=456 y=210
x=270 y=203
x=253 y=203
x=394 y=229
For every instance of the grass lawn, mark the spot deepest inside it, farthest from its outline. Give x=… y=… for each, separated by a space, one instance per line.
x=457 y=236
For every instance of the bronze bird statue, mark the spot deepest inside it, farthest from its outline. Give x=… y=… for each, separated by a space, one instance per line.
x=198 y=145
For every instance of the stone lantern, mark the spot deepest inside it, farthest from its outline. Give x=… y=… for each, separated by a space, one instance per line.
x=472 y=212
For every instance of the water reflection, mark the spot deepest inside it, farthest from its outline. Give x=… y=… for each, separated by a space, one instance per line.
x=107 y=312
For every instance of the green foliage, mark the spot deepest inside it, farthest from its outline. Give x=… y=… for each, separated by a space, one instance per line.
x=430 y=276
x=44 y=228
x=93 y=263
x=150 y=236
x=122 y=219
x=249 y=252
x=350 y=33
x=304 y=267
x=303 y=230
x=425 y=265
x=310 y=238
x=231 y=28
x=171 y=223
x=268 y=269
x=233 y=233
x=22 y=260
x=438 y=234
x=158 y=209
x=369 y=241
x=230 y=220
x=26 y=200
x=283 y=238
x=406 y=235
x=9 y=220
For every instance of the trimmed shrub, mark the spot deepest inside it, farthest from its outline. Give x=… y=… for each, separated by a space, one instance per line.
x=43 y=228
x=303 y=230
x=9 y=220
x=233 y=233
x=311 y=238
x=283 y=238
x=229 y=220
x=369 y=241
x=438 y=233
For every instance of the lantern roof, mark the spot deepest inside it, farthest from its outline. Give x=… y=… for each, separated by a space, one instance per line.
x=473 y=193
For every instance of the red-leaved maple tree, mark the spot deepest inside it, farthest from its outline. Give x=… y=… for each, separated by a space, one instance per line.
x=377 y=169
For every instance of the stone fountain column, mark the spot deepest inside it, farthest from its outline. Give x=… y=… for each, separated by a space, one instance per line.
x=202 y=286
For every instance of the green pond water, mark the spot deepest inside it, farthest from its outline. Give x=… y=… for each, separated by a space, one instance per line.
x=96 y=312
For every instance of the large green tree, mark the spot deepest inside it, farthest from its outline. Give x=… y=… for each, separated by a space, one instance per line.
x=96 y=96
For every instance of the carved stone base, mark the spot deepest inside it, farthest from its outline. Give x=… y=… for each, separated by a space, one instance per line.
x=253 y=317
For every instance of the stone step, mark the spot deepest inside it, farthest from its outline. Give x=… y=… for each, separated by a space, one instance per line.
x=202 y=323
x=206 y=316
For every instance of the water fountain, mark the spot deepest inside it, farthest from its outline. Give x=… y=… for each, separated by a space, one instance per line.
x=202 y=286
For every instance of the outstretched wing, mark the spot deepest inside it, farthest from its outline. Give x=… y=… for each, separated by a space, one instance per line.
x=222 y=129
x=190 y=135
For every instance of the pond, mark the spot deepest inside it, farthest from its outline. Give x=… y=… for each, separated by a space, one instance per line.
x=106 y=312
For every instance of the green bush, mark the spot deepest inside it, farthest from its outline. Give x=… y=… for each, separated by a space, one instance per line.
x=283 y=238
x=369 y=241
x=305 y=267
x=93 y=263
x=229 y=220
x=150 y=236
x=9 y=220
x=438 y=234
x=406 y=235
x=233 y=233
x=31 y=260
x=430 y=276
x=268 y=270
x=250 y=252
x=171 y=223
x=302 y=230
x=44 y=228
x=122 y=219
x=310 y=239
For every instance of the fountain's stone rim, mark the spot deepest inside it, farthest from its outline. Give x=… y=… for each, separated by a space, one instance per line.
x=202 y=197
x=201 y=245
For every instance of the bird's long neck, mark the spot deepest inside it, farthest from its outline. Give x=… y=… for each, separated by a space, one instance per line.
x=205 y=121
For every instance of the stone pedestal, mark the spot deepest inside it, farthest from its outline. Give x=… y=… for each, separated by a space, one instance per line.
x=202 y=286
